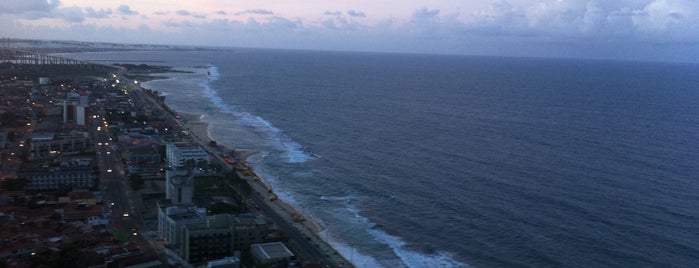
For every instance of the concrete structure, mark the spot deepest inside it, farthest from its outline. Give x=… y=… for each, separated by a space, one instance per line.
x=274 y=254
x=212 y=239
x=80 y=115
x=250 y=229
x=179 y=185
x=179 y=153
x=47 y=145
x=227 y=262
x=83 y=99
x=76 y=173
x=69 y=107
x=171 y=219
x=143 y=159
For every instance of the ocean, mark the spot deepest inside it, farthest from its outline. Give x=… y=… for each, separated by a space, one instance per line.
x=460 y=161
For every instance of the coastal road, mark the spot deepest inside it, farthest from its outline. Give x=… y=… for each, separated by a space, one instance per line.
x=305 y=244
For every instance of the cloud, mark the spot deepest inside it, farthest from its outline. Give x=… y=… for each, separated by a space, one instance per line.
x=72 y=14
x=424 y=13
x=191 y=14
x=667 y=16
x=255 y=11
x=498 y=26
x=354 y=13
x=97 y=14
x=179 y=24
x=126 y=10
x=23 y=6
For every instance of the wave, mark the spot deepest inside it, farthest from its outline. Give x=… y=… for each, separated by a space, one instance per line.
x=294 y=152
x=211 y=93
x=407 y=257
x=348 y=198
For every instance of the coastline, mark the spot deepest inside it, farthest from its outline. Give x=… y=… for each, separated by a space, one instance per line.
x=199 y=133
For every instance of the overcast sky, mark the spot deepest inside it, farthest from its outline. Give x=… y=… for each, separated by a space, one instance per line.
x=666 y=30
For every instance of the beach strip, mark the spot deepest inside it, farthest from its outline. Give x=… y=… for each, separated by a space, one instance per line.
x=199 y=132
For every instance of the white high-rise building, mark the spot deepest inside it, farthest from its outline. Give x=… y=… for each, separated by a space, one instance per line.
x=179 y=153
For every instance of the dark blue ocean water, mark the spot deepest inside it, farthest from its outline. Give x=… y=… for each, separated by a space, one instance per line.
x=449 y=161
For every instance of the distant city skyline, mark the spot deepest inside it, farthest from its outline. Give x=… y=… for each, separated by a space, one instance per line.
x=652 y=30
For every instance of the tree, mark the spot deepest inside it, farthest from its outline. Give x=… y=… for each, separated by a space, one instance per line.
x=202 y=164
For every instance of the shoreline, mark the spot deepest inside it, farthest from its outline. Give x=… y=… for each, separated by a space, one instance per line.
x=199 y=133
x=198 y=129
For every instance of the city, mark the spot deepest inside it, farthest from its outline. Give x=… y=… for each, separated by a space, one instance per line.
x=98 y=172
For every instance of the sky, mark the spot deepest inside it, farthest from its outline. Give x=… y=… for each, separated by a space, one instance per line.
x=646 y=30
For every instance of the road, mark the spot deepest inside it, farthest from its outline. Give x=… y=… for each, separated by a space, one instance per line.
x=118 y=199
x=305 y=246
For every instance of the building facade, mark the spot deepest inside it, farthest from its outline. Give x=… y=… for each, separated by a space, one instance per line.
x=179 y=185
x=73 y=173
x=178 y=154
x=209 y=240
x=48 y=145
x=171 y=219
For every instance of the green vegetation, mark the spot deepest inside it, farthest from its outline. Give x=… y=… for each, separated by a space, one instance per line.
x=205 y=184
x=238 y=182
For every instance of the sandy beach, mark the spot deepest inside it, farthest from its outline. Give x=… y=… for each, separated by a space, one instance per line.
x=311 y=229
x=199 y=130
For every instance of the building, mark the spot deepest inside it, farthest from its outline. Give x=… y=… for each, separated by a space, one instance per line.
x=48 y=145
x=178 y=154
x=73 y=173
x=274 y=254
x=75 y=108
x=171 y=219
x=250 y=229
x=209 y=240
x=83 y=99
x=143 y=159
x=69 y=106
x=227 y=262
x=179 y=185
x=80 y=115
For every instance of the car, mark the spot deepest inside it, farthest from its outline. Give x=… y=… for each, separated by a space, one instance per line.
x=108 y=152
x=99 y=143
x=126 y=214
x=109 y=171
x=111 y=203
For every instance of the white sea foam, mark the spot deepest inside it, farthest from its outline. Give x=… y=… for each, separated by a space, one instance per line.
x=211 y=93
x=294 y=152
x=407 y=257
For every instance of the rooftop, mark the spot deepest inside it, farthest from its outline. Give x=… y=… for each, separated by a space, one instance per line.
x=271 y=251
